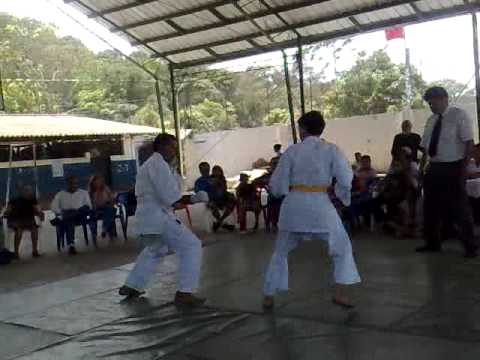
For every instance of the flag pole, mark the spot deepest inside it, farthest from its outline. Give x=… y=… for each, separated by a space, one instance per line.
x=408 y=73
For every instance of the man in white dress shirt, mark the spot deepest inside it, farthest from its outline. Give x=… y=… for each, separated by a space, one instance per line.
x=303 y=175
x=71 y=206
x=158 y=192
x=448 y=142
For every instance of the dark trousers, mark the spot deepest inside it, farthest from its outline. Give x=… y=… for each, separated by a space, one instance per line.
x=70 y=218
x=446 y=204
x=107 y=215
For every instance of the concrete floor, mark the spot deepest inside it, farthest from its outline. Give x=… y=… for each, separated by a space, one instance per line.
x=409 y=306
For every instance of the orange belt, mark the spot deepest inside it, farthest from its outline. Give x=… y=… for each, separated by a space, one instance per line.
x=309 y=188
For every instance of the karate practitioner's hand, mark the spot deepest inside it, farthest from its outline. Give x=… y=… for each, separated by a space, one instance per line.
x=185 y=200
x=199 y=197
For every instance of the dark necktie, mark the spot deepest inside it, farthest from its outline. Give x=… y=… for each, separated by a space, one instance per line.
x=437 y=129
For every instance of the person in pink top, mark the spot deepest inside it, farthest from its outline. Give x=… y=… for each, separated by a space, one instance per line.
x=103 y=201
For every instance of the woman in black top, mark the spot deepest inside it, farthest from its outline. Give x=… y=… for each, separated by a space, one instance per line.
x=408 y=139
x=20 y=214
x=221 y=199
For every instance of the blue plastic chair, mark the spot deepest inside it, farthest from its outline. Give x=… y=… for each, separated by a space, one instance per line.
x=61 y=234
x=127 y=205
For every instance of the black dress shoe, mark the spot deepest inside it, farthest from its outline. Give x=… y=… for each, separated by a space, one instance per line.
x=188 y=299
x=72 y=250
x=130 y=292
x=229 y=227
x=428 y=248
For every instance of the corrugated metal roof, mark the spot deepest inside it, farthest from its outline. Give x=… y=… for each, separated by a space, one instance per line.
x=36 y=126
x=193 y=32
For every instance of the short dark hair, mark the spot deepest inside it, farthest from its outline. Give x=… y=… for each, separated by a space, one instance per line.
x=435 y=91
x=203 y=164
x=312 y=122
x=162 y=140
x=366 y=157
x=277 y=146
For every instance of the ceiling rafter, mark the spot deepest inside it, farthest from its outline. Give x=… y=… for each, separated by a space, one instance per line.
x=284 y=28
x=238 y=19
x=118 y=8
x=172 y=15
x=281 y=18
x=91 y=10
x=410 y=19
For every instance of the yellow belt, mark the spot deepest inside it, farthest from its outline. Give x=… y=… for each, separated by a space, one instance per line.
x=309 y=188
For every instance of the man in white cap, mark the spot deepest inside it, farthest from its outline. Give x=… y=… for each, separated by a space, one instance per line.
x=158 y=192
x=303 y=176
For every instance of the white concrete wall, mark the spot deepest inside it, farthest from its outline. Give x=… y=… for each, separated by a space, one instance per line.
x=236 y=150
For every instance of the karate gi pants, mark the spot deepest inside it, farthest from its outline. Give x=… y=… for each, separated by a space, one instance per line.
x=340 y=250
x=187 y=247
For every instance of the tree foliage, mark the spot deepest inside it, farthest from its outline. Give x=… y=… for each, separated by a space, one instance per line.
x=43 y=72
x=373 y=85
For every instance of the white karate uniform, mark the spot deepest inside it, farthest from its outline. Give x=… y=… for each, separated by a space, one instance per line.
x=311 y=215
x=157 y=188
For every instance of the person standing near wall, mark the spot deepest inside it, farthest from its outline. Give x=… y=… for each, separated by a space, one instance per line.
x=448 y=140
x=408 y=139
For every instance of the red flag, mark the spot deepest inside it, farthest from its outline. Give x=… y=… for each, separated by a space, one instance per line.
x=395 y=33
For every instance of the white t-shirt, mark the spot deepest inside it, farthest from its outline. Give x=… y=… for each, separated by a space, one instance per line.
x=65 y=200
x=457 y=129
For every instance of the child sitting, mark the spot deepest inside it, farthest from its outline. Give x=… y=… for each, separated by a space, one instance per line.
x=248 y=200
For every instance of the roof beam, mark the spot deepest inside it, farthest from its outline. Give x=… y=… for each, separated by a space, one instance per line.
x=236 y=20
x=280 y=29
x=411 y=19
x=173 y=15
x=281 y=18
x=121 y=8
x=416 y=10
x=113 y=24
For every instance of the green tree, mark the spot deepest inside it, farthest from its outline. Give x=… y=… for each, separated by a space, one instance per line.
x=210 y=116
x=455 y=89
x=373 y=85
x=276 y=116
x=147 y=115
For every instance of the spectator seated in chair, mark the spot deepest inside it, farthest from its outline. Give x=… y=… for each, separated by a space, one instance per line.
x=396 y=192
x=204 y=182
x=248 y=200
x=20 y=215
x=221 y=200
x=362 y=190
x=103 y=209
x=273 y=204
x=71 y=207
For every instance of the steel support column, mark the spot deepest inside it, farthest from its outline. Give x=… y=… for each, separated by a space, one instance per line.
x=2 y=99
x=300 y=76
x=477 y=66
x=160 y=105
x=176 y=120
x=289 y=97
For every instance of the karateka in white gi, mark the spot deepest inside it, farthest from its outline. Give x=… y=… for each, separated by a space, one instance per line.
x=158 y=192
x=303 y=175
